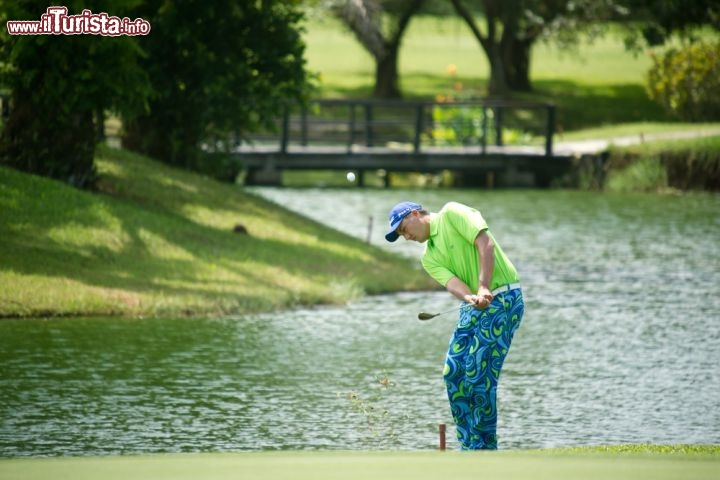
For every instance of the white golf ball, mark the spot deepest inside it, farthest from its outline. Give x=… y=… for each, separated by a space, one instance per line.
x=350 y=177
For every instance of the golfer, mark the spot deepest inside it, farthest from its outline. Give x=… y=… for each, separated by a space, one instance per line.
x=463 y=256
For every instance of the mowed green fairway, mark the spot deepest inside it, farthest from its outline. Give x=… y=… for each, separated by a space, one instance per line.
x=507 y=465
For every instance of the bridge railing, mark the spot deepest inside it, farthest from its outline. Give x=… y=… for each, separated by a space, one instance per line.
x=415 y=126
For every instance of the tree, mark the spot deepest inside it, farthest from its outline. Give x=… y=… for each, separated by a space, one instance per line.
x=366 y=18
x=216 y=68
x=654 y=21
x=57 y=84
x=684 y=78
x=513 y=26
x=686 y=81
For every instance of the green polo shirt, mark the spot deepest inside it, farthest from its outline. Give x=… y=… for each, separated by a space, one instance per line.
x=450 y=250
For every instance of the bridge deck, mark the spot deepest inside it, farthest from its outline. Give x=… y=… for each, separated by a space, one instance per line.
x=395 y=157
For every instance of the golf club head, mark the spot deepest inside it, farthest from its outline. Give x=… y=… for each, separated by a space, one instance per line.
x=428 y=316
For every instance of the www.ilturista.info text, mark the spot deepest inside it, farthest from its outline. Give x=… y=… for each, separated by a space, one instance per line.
x=56 y=21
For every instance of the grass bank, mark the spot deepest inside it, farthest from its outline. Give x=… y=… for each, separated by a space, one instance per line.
x=663 y=463
x=663 y=166
x=157 y=241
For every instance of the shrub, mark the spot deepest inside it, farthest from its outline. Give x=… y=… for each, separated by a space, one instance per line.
x=686 y=81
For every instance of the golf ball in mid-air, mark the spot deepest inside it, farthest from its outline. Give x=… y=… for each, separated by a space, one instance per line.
x=350 y=177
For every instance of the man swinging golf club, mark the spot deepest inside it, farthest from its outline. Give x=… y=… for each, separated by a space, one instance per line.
x=463 y=256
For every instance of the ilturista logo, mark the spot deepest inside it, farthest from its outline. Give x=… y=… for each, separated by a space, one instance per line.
x=56 y=21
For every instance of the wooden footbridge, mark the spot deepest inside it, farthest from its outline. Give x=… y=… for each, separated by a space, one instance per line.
x=484 y=142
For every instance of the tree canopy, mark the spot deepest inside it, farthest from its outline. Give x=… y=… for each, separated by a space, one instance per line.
x=206 y=69
x=653 y=22
x=216 y=68
x=57 y=84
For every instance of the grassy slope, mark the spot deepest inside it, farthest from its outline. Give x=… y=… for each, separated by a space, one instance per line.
x=159 y=241
x=587 y=464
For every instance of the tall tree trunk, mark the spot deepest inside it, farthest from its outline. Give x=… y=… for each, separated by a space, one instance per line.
x=514 y=47
x=386 y=75
x=517 y=65
x=498 y=83
x=364 y=19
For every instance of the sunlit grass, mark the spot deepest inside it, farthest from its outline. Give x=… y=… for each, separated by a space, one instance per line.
x=640 y=128
x=645 y=448
x=160 y=241
x=617 y=463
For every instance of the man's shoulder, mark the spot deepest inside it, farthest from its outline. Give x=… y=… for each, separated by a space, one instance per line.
x=457 y=209
x=464 y=218
x=453 y=207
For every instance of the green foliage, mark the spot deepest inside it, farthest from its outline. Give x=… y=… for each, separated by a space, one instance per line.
x=219 y=69
x=654 y=22
x=471 y=125
x=458 y=125
x=58 y=83
x=686 y=81
x=206 y=71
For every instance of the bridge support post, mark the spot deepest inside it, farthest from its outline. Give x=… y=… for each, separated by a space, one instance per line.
x=549 y=130
x=264 y=176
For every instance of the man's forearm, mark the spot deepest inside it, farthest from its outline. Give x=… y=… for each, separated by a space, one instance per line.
x=459 y=289
x=486 y=254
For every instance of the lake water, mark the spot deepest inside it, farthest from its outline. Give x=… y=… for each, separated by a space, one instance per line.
x=620 y=343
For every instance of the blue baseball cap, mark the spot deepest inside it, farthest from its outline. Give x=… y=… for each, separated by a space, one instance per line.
x=398 y=212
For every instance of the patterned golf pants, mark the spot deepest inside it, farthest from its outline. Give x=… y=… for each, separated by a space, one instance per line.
x=472 y=369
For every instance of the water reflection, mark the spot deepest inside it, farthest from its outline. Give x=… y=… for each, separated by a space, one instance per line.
x=620 y=343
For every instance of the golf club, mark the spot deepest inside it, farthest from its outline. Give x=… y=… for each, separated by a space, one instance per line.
x=428 y=316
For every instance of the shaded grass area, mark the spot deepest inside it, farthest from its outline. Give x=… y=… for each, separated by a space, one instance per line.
x=160 y=241
x=659 y=464
x=581 y=106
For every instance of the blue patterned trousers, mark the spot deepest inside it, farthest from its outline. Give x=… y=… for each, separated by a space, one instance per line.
x=475 y=357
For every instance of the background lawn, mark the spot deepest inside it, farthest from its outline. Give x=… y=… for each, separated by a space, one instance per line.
x=598 y=83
